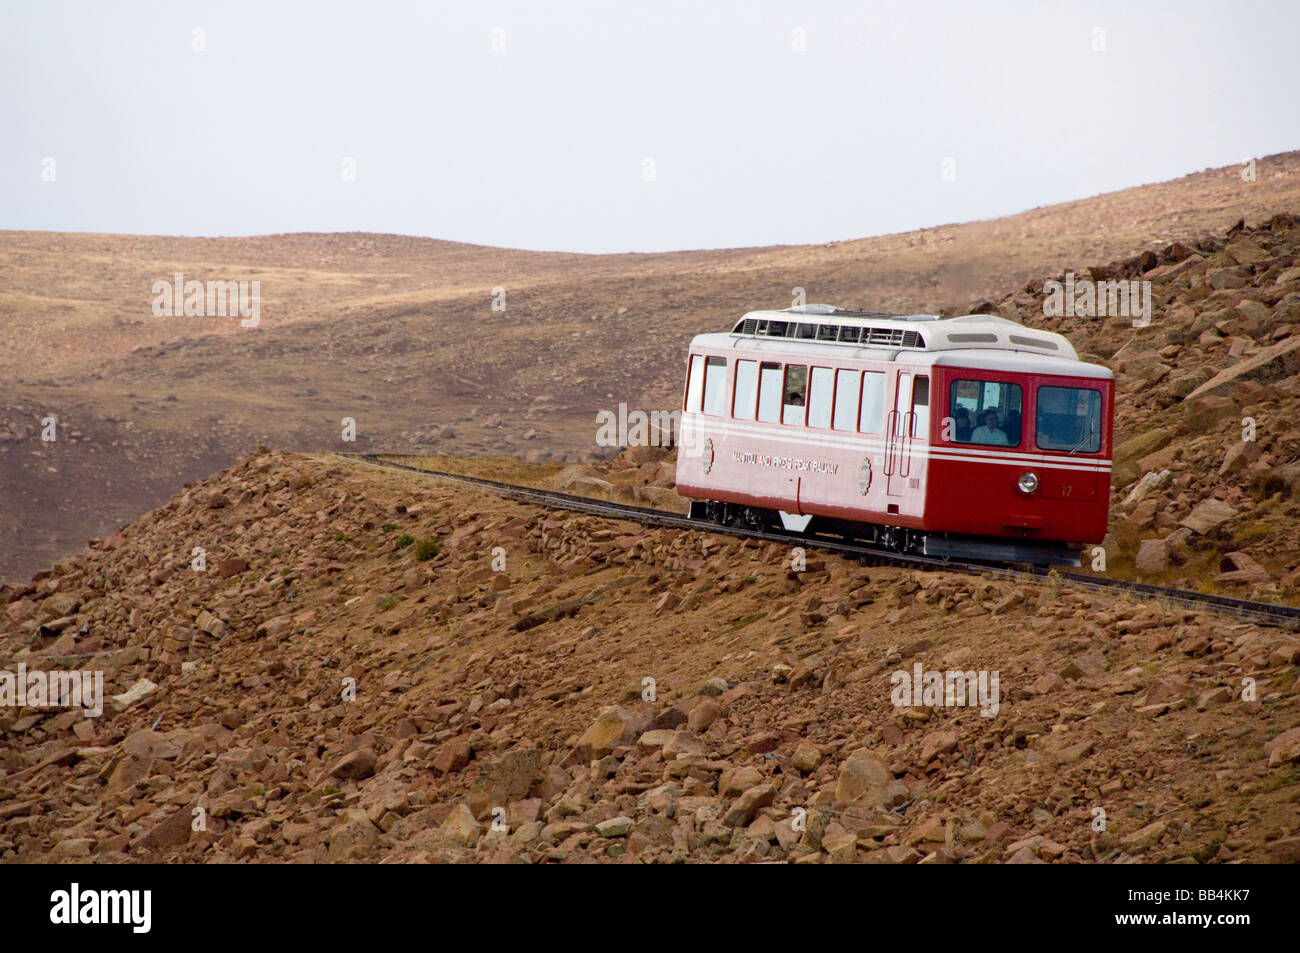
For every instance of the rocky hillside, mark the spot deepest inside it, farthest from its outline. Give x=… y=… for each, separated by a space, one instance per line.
x=375 y=666
x=1206 y=486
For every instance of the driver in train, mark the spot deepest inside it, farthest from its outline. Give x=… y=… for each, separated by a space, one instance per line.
x=989 y=432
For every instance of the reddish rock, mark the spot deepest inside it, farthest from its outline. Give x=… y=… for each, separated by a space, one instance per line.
x=937 y=743
x=703 y=715
x=452 y=756
x=1152 y=556
x=742 y=809
x=1239 y=567
x=172 y=831
x=354 y=765
x=1283 y=749
x=231 y=567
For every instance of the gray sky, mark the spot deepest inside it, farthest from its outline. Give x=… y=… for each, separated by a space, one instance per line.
x=544 y=144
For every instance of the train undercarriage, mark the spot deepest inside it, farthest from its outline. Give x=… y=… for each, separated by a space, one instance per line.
x=894 y=539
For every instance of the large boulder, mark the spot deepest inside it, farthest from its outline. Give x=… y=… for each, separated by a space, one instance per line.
x=1272 y=363
x=1208 y=516
x=149 y=744
x=171 y=831
x=354 y=838
x=742 y=810
x=1125 y=457
x=1239 y=455
x=1240 y=567
x=612 y=727
x=509 y=777
x=460 y=828
x=864 y=780
x=1204 y=414
x=1152 y=556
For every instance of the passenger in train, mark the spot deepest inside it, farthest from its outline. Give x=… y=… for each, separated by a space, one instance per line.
x=1012 y=428
x=989 y=432
x=961 y=420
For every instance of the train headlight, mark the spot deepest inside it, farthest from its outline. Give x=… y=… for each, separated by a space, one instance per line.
x=1028 y=482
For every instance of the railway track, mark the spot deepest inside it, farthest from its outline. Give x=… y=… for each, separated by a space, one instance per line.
x=1283 y=615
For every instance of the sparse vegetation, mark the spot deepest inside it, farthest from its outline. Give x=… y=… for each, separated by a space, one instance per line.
x=427 y=548
x=746 y=620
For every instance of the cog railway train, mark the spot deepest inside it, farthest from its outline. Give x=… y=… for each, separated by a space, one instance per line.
x=969 y=437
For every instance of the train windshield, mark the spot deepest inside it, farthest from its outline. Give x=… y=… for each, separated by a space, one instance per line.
x=1069 y=419
x=984 y=412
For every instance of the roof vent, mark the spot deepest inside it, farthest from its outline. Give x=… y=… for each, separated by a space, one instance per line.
x=864 y=336
x=1045 y=343
x=814 y=309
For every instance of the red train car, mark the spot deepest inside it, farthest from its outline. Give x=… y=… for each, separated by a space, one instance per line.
x=966 y=437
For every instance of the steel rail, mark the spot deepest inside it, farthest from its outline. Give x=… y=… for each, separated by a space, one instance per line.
x=553 y=499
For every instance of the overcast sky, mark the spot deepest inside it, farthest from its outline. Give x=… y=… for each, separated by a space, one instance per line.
x=606 y=127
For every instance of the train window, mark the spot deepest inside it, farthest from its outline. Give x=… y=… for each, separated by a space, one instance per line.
x=695 y=383
x=986 y=412
x=851 y=335
x=921 y=407
x=715 y=386
x=769 y=393
x=796 y=394
x=1069 y=418
x=821 y=395
x=873 y=402
x=848 y=385
x=746 y=390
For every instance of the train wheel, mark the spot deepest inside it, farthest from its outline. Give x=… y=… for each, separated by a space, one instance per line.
x=730 y=514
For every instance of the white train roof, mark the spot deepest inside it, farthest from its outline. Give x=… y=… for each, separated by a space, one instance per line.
x=982 y=340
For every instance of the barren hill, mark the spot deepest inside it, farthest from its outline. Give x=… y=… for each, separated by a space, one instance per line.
x=377 y=666
x=399 y=334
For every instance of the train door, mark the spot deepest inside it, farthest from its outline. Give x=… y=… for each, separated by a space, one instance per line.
x=897 y=425
x=916 y=427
